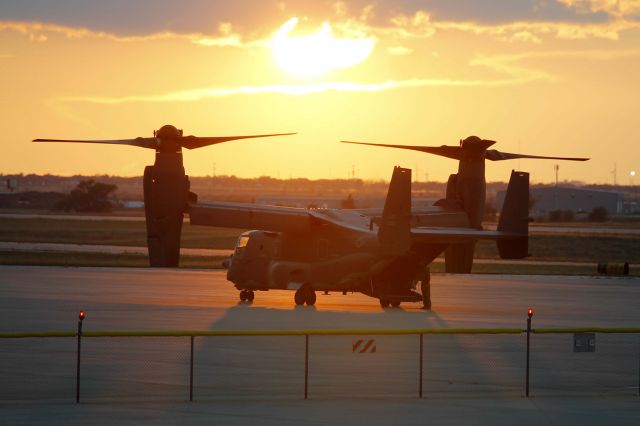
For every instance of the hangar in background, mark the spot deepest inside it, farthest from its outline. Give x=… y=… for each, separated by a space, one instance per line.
x=578 y=200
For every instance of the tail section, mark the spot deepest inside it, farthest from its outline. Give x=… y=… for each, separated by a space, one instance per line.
x=514 y=217
x=395 y=226
x=166 y=189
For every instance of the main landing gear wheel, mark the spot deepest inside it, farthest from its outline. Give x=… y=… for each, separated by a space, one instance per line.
x=425 y=288
x=247 y=295
x=305 y=294
x=395 y=304
x=384 y=303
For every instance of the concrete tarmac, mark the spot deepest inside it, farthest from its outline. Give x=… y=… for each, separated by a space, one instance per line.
x=243 y=380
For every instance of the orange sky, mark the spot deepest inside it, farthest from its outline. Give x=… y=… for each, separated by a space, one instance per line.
x=557 y=81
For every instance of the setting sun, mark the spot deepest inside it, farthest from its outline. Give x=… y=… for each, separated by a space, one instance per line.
x=315 y=54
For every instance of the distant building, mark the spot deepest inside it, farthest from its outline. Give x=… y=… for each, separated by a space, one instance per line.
x=578 y=200
x=133 y=204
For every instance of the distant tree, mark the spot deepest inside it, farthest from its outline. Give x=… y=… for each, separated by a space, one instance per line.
x=88 y=196
x=348 y=203
x=490 y=211
x=598 y=214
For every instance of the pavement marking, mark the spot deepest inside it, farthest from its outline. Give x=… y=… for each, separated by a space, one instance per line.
x=369 y=346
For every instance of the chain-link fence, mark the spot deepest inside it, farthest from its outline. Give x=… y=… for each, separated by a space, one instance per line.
x=323 y=364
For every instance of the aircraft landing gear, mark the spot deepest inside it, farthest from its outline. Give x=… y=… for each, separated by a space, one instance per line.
x=425 y=288
x=385 y=303
x=305 y=294
x=247 y=295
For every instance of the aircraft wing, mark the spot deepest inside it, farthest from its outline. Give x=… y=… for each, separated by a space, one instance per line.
x=343 y=219
x=458 y=235
x=272 y=218
x=250 y=216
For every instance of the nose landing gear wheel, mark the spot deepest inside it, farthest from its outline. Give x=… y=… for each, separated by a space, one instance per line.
x=310 y=297
x=247 y=295
x=305 y=294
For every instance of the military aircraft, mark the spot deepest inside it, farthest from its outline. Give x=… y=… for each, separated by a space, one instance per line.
x=309 y=250
x=166 y=186
x=464 y=203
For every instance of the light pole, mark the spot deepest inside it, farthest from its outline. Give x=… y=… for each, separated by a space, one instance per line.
x=632 y=174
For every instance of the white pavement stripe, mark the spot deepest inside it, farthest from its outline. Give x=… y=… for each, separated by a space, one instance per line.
x=85 y=248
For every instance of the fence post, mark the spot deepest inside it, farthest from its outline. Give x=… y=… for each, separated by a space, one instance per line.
x=306 y=366
x=421 y=357
x=191 y=372
x=80 y=318
x=529 y=315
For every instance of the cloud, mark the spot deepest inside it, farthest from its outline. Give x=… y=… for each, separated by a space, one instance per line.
x=508 y=65
x=504 y=64
x=399 y=50
x=420 y=25
x=40 y=31
x=524 y=36
x=615 y=8
x=285 y=89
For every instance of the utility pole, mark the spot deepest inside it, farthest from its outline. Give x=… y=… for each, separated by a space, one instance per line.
x=614 y=172
x=556 y=167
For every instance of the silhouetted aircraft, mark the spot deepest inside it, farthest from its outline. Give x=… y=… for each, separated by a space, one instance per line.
x=464 y=203
x=309 y=250
x=166 y=187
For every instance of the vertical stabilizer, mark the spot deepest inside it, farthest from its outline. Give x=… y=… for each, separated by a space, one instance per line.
x=395 y=227
x=514 y=217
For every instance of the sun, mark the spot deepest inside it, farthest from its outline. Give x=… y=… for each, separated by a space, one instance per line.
x=316 y=54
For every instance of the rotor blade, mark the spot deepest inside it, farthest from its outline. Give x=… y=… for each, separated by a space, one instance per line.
x=151 y=143
x=454 y=152
x=495 y=155
x=193 y=142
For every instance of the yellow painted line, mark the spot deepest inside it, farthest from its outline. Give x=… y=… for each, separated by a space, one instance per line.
x=315 y=332
x=238 y=333
x=18 y=335
x=566 y=330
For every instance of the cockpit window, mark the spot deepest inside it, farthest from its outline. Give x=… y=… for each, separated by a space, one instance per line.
x=242 y=241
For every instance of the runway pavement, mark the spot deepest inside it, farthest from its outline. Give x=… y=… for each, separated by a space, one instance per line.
x=241 y=380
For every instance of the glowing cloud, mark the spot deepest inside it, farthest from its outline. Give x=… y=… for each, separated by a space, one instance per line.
x=316 y=54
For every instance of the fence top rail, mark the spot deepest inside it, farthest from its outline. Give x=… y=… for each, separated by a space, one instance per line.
x=567 y=330
x=316 y=332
